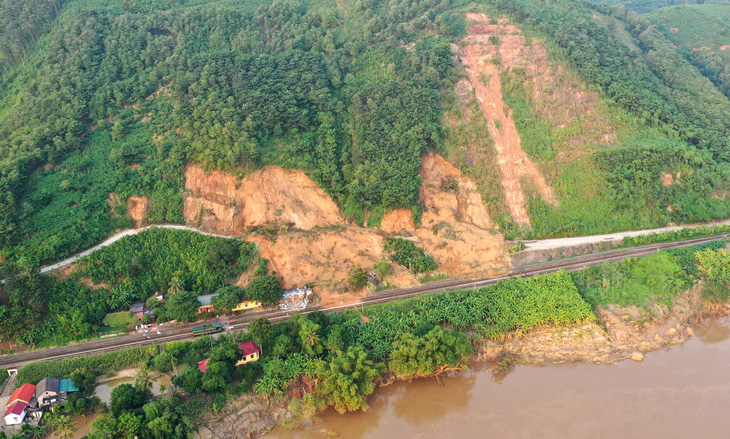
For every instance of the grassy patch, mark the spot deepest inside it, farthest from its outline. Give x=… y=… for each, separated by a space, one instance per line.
x=119 y=319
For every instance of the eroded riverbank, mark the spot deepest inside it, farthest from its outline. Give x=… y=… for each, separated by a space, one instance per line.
x=680 y=391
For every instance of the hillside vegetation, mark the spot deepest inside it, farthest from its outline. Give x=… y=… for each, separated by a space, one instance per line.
x=702 y=33
x=106 y=102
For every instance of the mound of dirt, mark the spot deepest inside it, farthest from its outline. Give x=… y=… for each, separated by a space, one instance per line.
x=219 y=201
x=324 y=259
x=455 y=227
x=137 y=208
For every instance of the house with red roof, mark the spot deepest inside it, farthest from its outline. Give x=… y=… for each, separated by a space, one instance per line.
x=24 y=393
x=250 y=353
x=16 y=412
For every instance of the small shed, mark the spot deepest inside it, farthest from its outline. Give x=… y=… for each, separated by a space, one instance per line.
x=203 y=365
x=15 y=414
x=250 y=353
x=206 y=303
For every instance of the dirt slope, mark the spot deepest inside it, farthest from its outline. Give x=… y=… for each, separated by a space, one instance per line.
x=321 y=248
x=455 y=226
x=221 y=202
x=479 y=57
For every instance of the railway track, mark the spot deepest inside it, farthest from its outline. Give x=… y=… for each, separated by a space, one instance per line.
x=183 y=332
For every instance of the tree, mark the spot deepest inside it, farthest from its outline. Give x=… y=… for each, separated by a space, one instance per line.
x=227 y=299
x=357 y=278
x=260 y=330
x=104 y=427
x=62 y=427
x=166 y=419
x=144 y=380
x=163 y=362
x=421 y=356
x=348 y=379
x=715 y=265
x=265 y=289
x=222 y=253
x=190 y=379
x=84 y=379
x=309 y=336
x=126 y=397
x=182 y=306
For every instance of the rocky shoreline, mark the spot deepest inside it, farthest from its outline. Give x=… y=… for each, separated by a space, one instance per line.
x=620 y=334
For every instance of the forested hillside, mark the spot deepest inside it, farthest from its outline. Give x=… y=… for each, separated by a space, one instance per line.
x=703 y=34
x=103 y=100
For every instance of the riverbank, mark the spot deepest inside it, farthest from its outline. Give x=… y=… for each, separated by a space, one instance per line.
x=681 y=391
x=620 y=334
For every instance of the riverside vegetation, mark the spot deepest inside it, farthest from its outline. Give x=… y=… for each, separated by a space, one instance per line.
x=318 y=360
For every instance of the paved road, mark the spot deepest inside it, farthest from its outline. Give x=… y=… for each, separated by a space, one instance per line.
x=543 y=244
x=529 y=245
x=116 y=238
x=182 y=332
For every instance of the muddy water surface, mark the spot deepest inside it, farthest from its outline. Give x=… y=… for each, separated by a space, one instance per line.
x=681 y=392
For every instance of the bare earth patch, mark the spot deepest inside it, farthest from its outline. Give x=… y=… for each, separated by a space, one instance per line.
x=480 y=59
x=397 y=221
x=219 y=201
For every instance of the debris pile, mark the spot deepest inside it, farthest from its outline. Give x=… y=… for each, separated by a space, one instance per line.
x=296 y=298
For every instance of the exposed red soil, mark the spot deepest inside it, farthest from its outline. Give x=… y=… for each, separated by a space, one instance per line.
x=397 y=221
x=321 y=248
x=137 y=208
x=220 y=201
x=455 y=226
x=479 y=57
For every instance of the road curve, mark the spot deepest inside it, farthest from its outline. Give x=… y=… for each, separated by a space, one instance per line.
x=182 y=332
x=540 y=244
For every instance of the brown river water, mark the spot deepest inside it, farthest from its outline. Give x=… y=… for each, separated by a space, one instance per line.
x=680 y=392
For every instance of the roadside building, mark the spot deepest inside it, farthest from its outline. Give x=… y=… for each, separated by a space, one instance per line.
x=16 y=413
x=247 y=304
x=47 y=391
x=206 y=303
x=250 y=353
x=139 y=310
x=24 y=394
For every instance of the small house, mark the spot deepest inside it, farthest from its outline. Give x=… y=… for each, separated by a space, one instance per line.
x=139 y=310
x=24 y=394
x=247 y=304
x=47 y=391
x=206 y=303
x=250 y=353
x=16 y=412
x=203 y=365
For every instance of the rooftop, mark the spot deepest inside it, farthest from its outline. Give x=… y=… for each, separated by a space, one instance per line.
x=206 y=299
x=47 y=385
x=16 y=409
x=24 y=393
x=203 y=365
x=67 y=386
x=248 y=348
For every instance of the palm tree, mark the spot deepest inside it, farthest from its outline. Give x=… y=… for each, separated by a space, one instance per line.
x=144 y=379
x=63 y=427
x=175 y=285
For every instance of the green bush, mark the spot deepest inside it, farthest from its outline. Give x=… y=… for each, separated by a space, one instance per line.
x=408 y=254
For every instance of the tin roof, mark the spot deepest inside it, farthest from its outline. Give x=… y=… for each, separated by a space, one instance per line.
x=24 y=393
x=16 y=409
x=248 y=348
